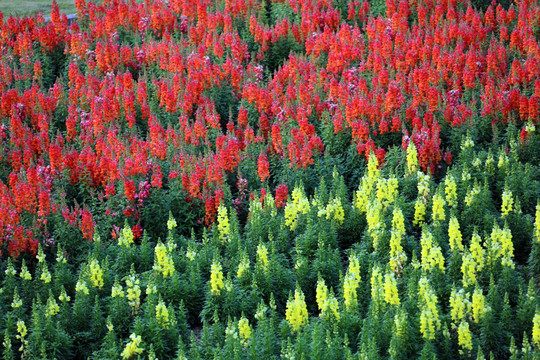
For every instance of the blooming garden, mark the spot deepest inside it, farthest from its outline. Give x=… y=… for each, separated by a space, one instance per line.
x=267 y=179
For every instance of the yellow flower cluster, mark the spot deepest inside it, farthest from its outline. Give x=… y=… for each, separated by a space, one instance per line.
x=133 y=292
x=397 y=255
x=454 y=235
x=296 y=312
x=464 y=336
x=507 y=202
x=163 y=261
x=387 y=191
x=298 y=205
x=471 y=195
x=375 y=223
x=162 y=314
x=243 y=267
x=536 y=329
x=22 y=332
x=126 y=236
x=419 y=212
x=432 y=256
x=132 y=348
x=473 y=260
x=64 y=297
x=45 y=274
x=438 y=208
x=390 y=289
x=216 y=278
x=367 y=185
x=479 y=307
x=423 y=184
x=502 y=245
x=429 y=316
x=262 y=256
x=96 y=274
x=171 y=223
x=333 y=211
x=52 y=307
x=412 y=158
x=17 y=302
x=450 y=189
x=223 y=225
x=81 y=287
x=117 y=290
x=327 y=302
x=377 y=287
x=244 y=330
x=459 y=305
x=25 y=274
x=351 y=282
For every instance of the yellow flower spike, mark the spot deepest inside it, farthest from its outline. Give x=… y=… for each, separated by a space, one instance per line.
x=223 y=225
x=419 y=212
x=133 y=291
x=17 y=302
x=163 y=261
x=390 y=289
x=377 y=287
x=216 y=278
x=132 y=347
x=429 y=314
x=52 y=307
x=40 y=255
x=438 y=208
x=244 y=330
x=262 y=256
x=464 y=336
x=431 y=254
x=537 y=224
x=412 y=159
x=81 y=287
x=479 y=307
x=162 y=314
x=397 y=255
x=459 y=305
x=536 y=329
x=96 y=274
x=375 y=221
x=25 y=274
x=126 y=236
x=243 y=267
x=296 y=312
x=351 y=283
x=171 y=223
x=454 y=235
x=21 y=329
x=507 y=202
x=45 y=274
x=477 y=251
x=326 y=302
x=468 y=269
x=450 y=190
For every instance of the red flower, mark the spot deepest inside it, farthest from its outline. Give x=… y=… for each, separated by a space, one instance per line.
x=262 y=167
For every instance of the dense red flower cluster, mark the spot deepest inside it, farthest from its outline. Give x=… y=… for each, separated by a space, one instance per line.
x=142 y=98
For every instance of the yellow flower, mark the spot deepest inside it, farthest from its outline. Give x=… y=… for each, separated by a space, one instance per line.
x=459 y=305
x=477 y=251
x=244 y=330
x=132 y=347
x=298 y=205
x=387 y=191
x=216 y=278
x=471 y=195
x=464 y=336
x=334 y=211
x=377 y=287
x=454 y=235
x=25 y=274
x=96 y=274
x=133 y=291
x=163 y=262
x=223 y=225
x=502 y=245
x=507 y=202
x=52 y=307
x=45 y=274
x=431 y=255
x=243 y=267
x=117 y=290
x=17 y=302
x=171 y=223
x=375 y=221
x=390 y=289
x=296 y=312
x=326 y=302
x=429 y=314
x=479 y=307
x=423 y=184
x=468 y=269
x=351 y=282
x=262 y=256
x=412 y=158
x=536 y=329
x=64 y=296
x=162 y=314
x=419 y=212
x=397 y=255
x=126 y=236
x=40 y=255
x=450 y=189
x=21 y=329
x=438 y=208
x=81 y=287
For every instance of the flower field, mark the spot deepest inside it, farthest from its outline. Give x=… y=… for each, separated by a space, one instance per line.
x=271 y=179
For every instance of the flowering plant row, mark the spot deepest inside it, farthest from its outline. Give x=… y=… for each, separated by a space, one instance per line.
x=286 y=178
